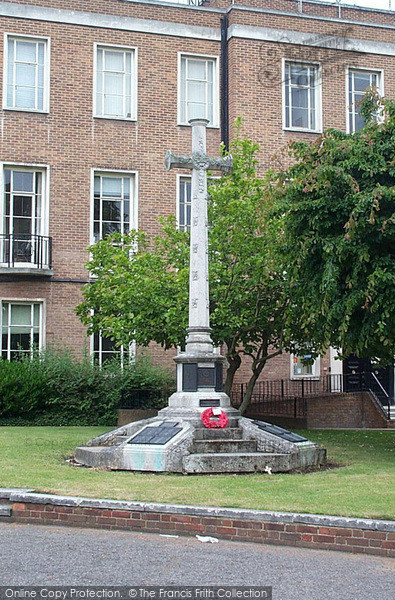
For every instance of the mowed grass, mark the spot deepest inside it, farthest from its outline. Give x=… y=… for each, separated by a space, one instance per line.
x=363 y=483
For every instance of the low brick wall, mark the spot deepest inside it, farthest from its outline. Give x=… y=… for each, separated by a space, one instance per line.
x=292 y=529
x=356 y=410
x=131 y=415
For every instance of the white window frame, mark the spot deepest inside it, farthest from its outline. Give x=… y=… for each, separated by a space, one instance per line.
x=47 y=56
x=204 y=57
x=316 y=369
x=133 y=81
x=178 y=181
x=133 y=175
x=42 y=320
x=31 y=168
x=124 y=353
x=178 y=204
x=380 y=88
x=318 y=96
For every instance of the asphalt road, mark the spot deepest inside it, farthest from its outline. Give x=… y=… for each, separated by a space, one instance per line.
x=42 y=555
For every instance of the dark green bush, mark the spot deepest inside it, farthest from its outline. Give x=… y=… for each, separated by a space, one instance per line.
x=55 y=388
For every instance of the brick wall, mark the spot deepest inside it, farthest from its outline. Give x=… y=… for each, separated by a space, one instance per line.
x=285 y=529
x=344 y=410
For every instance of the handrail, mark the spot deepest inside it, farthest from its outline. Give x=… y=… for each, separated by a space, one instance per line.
x=386 y=412
x=380 y=385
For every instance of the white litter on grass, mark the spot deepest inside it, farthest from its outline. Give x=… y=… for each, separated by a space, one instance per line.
x=167 y=535
x=207 y=539
x=268 y=470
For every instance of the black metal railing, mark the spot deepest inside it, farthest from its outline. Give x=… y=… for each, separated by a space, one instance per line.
x=28 y=249
x=281 y=389
x=288 y=397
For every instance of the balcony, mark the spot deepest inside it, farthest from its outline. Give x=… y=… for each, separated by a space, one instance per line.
x=25 y=254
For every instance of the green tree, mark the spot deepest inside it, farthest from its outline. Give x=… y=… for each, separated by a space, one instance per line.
x=140 y=291
x=338 y=237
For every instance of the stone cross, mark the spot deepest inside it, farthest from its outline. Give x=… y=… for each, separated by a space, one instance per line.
x=198 y=340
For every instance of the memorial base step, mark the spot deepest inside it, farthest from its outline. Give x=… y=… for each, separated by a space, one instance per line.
x=223 y=446
x=246 y=462
x=234 y=433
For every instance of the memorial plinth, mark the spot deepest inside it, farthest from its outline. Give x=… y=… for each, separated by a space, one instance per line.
x=176 y=440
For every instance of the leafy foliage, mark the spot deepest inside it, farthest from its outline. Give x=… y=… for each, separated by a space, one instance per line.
x=56 y=388
x=337 y=206
x=140 y=292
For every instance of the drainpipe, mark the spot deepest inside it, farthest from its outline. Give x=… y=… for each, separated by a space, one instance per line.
x=224 y=82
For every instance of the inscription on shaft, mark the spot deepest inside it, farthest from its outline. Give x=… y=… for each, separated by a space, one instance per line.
x=198 y=340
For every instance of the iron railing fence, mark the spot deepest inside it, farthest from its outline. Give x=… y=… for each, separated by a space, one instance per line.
x=292 y=408
x=27 y=249
x=285 y=397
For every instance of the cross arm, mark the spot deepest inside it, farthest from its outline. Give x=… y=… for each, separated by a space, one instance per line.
x=175 y=161
x=224 y=164
x=198 y=161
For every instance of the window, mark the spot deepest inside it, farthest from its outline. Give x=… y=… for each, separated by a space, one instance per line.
x=104 y=349
x=21 y=329
x=304 y=366
x=358 y=82
x=26 y=74
x=184 y=203
x=302 y=94
x=116 y=83
x=114 y=209
x=23 y=220
x=198 y=90
x=184 y=195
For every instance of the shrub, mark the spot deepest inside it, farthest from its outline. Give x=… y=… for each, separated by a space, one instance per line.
x=56 y=388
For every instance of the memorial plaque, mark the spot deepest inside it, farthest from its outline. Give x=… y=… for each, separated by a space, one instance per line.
x=280 y=432
x=156 y=435
x=219 y=382
x=189 y=377
x=208 y=403
x=205 y=377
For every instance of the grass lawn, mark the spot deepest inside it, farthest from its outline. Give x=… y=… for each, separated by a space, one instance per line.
x=363 y=485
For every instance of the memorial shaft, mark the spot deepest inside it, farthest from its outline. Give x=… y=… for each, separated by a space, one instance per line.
x=199 y=299
x=198 y=339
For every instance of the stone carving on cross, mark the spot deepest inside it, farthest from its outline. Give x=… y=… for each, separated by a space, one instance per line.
x=199 y=340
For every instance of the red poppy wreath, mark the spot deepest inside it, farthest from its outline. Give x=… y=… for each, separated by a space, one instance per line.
x=214 y=421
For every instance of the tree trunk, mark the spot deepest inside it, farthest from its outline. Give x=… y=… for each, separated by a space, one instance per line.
x=234 y=363
x=256 y=371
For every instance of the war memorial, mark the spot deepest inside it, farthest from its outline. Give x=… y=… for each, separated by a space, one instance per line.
x=199 y=431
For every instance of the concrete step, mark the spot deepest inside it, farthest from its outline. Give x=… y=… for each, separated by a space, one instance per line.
x=5 y=510
x=97 y=456
x=231 y=433
x=223 y=446
x=236 y=462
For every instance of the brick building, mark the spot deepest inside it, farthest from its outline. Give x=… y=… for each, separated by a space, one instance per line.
x=95 y=92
